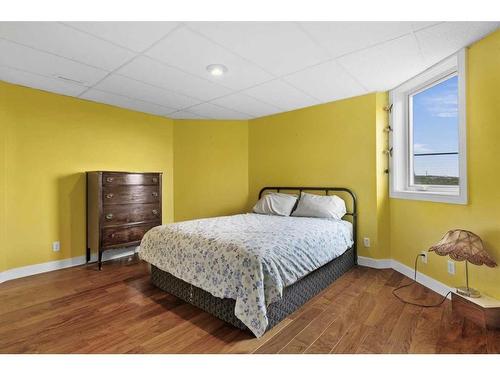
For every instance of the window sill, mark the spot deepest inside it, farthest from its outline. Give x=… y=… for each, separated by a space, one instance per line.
x=430 y=196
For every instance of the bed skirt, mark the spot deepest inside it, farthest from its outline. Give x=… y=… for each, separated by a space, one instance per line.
x=294 y=296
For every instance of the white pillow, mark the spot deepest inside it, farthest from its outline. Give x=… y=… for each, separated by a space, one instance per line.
x=275 y=204
x=324 y=206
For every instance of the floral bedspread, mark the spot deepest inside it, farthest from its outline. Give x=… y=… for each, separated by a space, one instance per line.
x=248 y=257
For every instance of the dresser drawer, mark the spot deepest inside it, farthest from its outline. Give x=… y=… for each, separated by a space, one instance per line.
x=125 y=194
x=119 y=214
x=117 y=236
x=116 y=179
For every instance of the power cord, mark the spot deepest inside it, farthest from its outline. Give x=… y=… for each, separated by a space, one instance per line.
x=413 y=282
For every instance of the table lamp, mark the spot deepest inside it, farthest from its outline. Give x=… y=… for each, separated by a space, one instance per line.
x=462 y=245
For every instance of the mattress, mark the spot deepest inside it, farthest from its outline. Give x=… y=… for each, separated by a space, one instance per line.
x=250 y=258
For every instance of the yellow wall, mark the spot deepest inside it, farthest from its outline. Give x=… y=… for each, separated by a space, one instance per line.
x=417 y=225
x=332 y=144
x=211 y=164
x=50 y=140
x=382 y=178
x=3 y=125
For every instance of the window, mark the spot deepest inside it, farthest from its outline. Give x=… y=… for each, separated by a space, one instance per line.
x=433 y=115
x=428 y=145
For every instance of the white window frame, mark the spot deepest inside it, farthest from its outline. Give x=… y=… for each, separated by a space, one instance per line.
x=400 y=139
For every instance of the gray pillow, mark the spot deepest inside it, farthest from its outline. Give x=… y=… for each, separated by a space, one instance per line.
x=324 y=206
x=275 y=204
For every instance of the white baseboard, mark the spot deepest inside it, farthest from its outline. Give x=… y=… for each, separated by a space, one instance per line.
x=374 y=263
x=16 y=273
x=115 y=253
x=422 y=278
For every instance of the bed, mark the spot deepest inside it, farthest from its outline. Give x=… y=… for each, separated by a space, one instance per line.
x=252 y=270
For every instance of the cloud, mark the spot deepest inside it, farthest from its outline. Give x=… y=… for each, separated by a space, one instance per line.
x=445 y=105
x=442 y=104
x=446 y=114
x=421 y=148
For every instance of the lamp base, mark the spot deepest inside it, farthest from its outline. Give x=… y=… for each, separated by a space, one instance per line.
x=468 y=292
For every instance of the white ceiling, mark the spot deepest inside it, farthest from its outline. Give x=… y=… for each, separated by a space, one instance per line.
x=160 y=67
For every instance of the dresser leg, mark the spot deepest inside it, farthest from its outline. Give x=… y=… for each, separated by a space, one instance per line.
x=100 y=260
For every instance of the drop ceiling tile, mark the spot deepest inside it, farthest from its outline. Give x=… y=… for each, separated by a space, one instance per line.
x=278 y=47
x=281 y=95
x=67 y=42
x=24 y=58
x=386 y=65
x=217 y=112
x=36 y=81
x=185 y=115
x=136 y=36
x=327 y=82
x=155 y=73
x=124 y=102
x=141 y=91
x=442 y=40
x=419 y=25
x=339 y=38
x=246 y=104
x=191 y=52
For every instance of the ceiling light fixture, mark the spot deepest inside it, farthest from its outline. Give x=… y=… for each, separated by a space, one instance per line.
x=217 y=70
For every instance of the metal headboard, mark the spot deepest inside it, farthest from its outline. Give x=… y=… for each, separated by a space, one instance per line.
x=353 y=213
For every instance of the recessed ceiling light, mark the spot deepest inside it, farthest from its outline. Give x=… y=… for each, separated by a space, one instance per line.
x=216 y=70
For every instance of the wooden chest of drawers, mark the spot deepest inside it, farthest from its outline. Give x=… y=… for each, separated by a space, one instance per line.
x=121 y=208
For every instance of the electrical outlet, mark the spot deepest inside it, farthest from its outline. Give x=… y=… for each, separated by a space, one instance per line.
x=451 y=267
x=424 y=256
x=56 y=246
x=366 y=242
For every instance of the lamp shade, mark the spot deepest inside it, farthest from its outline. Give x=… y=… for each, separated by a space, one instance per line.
x=462 y=245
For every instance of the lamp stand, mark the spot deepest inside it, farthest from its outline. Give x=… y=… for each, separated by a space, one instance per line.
x=465 y=290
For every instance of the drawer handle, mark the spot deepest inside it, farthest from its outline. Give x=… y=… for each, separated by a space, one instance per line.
x=155 y=180
x=109 y=195
x=155 y=193
x=109 y=216
x=109 y=179
x=155 y=212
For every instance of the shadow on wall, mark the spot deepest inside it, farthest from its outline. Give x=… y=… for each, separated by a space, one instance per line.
x=71 y=214
x=491 y=239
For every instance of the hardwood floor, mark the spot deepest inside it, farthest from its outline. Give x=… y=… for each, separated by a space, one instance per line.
x=117 y=310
